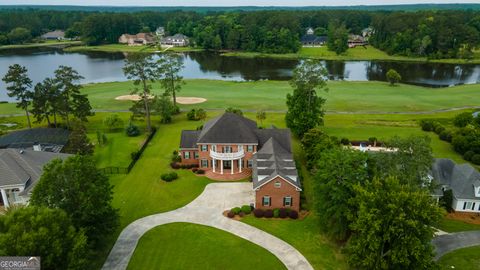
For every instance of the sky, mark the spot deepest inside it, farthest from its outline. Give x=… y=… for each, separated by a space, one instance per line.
x=227 y=2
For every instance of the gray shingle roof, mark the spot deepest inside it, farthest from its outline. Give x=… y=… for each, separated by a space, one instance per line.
x=229 y=128
x=461 y=178
x=189 y=139
x=273 y=160
x=27 y=137
x=20 y=167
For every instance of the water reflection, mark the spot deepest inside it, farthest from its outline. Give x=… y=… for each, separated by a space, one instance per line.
x=104 y=67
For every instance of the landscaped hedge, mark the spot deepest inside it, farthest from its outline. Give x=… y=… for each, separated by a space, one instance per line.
x=258 y=213
x=169 y=177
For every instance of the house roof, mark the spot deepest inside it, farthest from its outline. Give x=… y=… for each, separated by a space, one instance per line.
x=189 y=138
x=28 y=137
x=271 y=161
x=461 y=178
x=313 y=39
x=24 y=167
x=229 y=128
x=54 y=34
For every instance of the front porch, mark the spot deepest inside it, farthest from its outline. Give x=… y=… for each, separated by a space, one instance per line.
x=246 y=172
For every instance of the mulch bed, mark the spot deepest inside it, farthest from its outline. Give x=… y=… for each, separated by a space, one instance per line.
x=473 y=218
x=303 y=214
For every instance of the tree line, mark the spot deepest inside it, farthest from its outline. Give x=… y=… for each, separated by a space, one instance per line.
x=436 y=34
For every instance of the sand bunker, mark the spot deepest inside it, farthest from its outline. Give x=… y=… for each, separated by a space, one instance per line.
x=190 y=100
x=180 y=100
x=130 y=97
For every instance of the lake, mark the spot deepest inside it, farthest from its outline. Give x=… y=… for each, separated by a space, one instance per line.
x=106 y=67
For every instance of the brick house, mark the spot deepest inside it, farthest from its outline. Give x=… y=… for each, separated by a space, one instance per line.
x=139 y=39
x=232 y=147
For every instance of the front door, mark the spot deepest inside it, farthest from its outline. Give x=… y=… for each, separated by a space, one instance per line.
x=227 y=164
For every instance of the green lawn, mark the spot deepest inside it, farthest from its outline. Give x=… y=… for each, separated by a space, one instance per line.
x=465 y=258
x=451 y=225
x=126 y=48
x=42 y=44
x=358 y=97
x=353 y=54
x=196 y=247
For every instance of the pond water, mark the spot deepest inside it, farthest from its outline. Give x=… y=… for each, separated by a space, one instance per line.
x=105 y=67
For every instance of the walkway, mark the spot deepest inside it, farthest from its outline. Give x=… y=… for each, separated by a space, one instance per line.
x=207 y=210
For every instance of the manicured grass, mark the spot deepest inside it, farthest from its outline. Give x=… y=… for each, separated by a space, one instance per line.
x=117 y=151
x=465 y=258
x=353 y=54
x=358 y=97
x=43 y=44
x=190 y=246
x=451 y=225
x=126 y=48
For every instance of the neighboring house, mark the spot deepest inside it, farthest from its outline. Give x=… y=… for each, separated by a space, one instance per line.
x=160 y=31
x=311 y=40
x=139 y=39
x=54 y=35
x=39 y=139
x=367 y=32
x=462 y=179
x=20 y=171
x=231 y=147
x=356 y=40
x=177 y=40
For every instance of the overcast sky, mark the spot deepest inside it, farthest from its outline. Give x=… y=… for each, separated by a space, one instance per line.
x=225 y=2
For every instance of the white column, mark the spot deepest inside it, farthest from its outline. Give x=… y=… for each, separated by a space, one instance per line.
x=213 y=161
x=240 y=164
x=4 y=198
x=221 y=166
x=231 y=166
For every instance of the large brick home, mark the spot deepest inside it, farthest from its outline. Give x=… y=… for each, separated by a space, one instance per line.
x=232 y=147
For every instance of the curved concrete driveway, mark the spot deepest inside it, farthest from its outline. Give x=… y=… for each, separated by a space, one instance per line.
x=452 y=241
x=207 y=210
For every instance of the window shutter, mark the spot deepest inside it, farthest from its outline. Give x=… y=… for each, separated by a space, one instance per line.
x=291 y=201
x=284 y=199
x=269 y=201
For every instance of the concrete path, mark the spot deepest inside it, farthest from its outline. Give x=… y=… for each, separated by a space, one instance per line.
x=452 y=241
x=207 y=210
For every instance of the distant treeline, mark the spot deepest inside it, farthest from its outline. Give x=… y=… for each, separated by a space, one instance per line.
x=436 y=34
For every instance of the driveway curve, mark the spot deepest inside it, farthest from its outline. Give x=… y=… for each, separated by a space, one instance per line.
x=449 y=242
x=207 y=210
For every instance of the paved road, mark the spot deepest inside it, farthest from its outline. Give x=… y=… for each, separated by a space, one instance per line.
x=207 y=210
x=452 y=241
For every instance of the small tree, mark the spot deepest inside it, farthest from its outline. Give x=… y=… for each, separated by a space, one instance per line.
x=337 y=37
x=164 y=107
x=44 y=232
x=82 y=191
x=169 y=67
x=78 y=142
x=305 y=107
x=18 y=86
x=261 y=115
x=132 y=130
x=45 y=101
x=463 y=119
x=201 y=114
x=113 y=122
x=393 y=76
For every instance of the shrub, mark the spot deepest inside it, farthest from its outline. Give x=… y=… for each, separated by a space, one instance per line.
x=230 y=214
x=242 y=214
x=293 y=214
x=132 y=130
x=112 y=122
x=236 y=210
x=258 y=213
x=372 y=140
x=468 y=155
x=345 y=141
x=194 y=170
x=447 y=199
x=268 y=213
x=135 y=155
x=246 y=209
x=463 y=119
x=169 y=177
x=476 y=159
x=282 y=213
x=427 y=125
x=439 y=129
x=200 y=171
x=276 y=212
x=445 y=135
x=191 y=115
x=175 y=165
